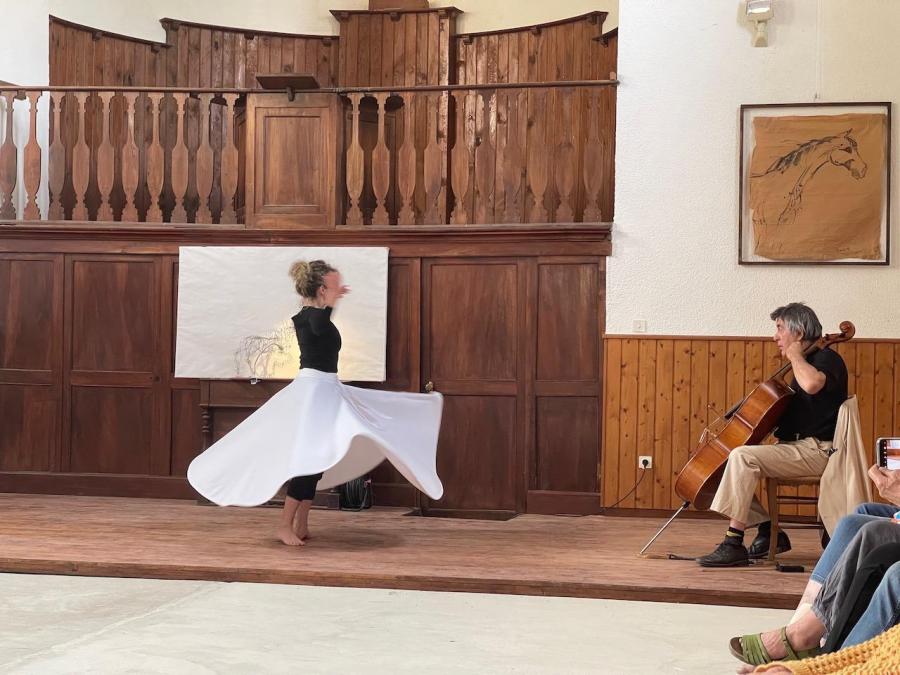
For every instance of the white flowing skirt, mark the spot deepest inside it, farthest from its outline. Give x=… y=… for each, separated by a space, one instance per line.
x=318 y=424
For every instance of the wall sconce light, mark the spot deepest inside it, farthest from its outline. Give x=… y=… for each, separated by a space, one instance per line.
x=760 y=12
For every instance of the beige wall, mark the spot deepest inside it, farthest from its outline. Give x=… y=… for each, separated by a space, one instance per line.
x=675 y=248
x=141 y=19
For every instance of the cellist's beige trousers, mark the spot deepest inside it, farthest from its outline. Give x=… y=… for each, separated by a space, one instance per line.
x=746 y=464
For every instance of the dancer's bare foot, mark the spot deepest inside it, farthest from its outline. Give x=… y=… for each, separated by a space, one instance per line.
x=288 y=537
x=302 y=532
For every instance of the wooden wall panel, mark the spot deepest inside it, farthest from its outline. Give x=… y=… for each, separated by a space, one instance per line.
x=395 y=48
x=208 y=55
x=28 y=427
x=194 y=55
x=571 y=49
x=112 y=430
x=473 y=333
x=84 y=56
x=568 y=324
x=113 y=306
x=568 y=433
x=30 y=361
x=477 y=455
x=661 y=392
x=470 y=301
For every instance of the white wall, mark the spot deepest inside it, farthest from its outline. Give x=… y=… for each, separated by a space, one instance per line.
x=141 y=19
x=25 y=42
x=686 y=66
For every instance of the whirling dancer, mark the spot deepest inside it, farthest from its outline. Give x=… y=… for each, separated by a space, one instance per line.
x=317 y=431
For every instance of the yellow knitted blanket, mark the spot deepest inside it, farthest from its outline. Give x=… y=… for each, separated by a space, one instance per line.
x=878 y=656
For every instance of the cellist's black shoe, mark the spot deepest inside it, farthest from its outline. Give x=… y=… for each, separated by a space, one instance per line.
x=760 y=546
x=728 y=554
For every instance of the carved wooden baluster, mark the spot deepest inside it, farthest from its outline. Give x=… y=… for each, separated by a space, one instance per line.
x=229 y=163
x=32 y=161
x=204 y=162
x=406 y=169
x=485 y=120
x=565 y=161
x=56 y=170
x=593 y=158
x=537 y=155
x=106 y=159
x=355 y=168
x=381 y=165
x=180 y=158
x=460 y=167
x=434 y=162
x=513 y=168
x=81 y=158
x=130 y=161
x=8 y=165
x=155 y=160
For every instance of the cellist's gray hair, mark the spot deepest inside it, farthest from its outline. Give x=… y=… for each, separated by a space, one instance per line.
x=799 y=319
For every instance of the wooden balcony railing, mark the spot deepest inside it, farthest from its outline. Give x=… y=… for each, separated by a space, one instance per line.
x=424 y=155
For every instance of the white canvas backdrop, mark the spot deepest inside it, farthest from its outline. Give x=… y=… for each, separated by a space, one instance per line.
x=235 y=305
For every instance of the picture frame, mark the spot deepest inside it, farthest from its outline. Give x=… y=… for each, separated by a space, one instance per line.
x=814 y=184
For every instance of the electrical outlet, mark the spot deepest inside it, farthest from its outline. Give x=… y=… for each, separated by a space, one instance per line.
x=645 y=462
x=640 y=326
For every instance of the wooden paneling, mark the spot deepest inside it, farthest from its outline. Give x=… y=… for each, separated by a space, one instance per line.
x=26 y=314
x=30 y=355
x=472 y=313
x=568 y=434
x=477 y=455
x=290 y=160
x=108 y=416
x=85 y=56
x=661 y=392
x=571 y=49
x=568 y=335
x=115 y=360
x=395 y=48
x=28 y=427
x=473 y=333
x=211 y=56
x=113 y=306
x=112 y=430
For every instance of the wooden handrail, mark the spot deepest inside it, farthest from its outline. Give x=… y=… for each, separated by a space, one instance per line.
x=328 y=90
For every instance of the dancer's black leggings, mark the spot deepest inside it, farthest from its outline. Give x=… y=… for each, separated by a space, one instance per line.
x=303 y=488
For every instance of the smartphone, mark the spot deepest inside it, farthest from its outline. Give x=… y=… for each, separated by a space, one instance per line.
x=887 y=453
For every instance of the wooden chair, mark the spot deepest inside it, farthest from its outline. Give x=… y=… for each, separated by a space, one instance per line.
x=772 y=485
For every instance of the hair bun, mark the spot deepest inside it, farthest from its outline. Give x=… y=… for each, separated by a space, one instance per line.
x=299 y=271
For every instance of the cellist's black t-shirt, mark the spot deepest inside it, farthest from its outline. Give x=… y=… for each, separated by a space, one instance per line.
x=816 y=415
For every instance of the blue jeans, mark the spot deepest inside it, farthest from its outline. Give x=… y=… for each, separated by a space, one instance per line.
x=883 y=611
x=845 y=531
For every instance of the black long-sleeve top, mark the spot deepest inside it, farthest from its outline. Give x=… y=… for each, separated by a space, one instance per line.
x=319 y=338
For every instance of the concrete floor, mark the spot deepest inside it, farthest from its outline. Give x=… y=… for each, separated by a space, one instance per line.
x=58 y=624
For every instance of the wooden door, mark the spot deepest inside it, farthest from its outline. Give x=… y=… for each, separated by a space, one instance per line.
x=115 y=420
x=475 y=354
x=30 y=361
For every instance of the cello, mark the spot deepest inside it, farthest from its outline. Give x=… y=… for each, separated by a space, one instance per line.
x=748 y=422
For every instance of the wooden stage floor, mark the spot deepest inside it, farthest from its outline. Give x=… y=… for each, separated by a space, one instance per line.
x=592 y=556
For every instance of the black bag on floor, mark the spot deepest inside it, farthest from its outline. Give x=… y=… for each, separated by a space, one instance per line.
x=356 y=494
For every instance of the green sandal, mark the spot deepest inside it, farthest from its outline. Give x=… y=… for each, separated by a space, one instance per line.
x=750 y=649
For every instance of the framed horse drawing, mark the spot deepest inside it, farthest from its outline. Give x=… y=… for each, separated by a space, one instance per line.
x=815 y=184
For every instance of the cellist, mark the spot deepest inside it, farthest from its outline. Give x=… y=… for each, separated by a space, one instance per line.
x=804 y=434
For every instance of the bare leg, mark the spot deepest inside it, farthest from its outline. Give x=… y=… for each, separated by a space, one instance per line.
x=301 y=519
x=285 y=528
x=809 y=596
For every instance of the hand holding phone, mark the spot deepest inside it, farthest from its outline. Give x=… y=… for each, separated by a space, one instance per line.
x=887 y=453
